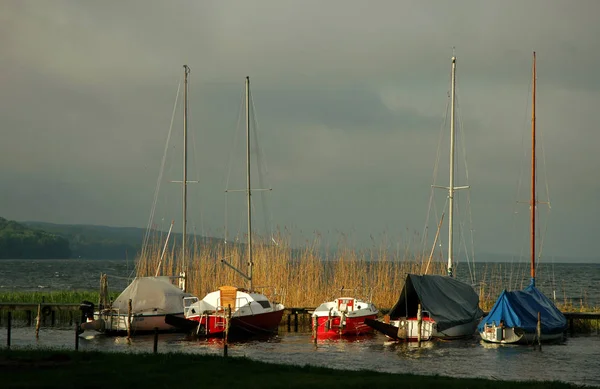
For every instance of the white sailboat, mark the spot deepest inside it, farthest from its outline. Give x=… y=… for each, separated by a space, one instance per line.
x=143 y=305
x=233 y=311
x=433 y=306
x=527 y=315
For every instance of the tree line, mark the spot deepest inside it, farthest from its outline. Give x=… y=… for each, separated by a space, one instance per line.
x=18 y=241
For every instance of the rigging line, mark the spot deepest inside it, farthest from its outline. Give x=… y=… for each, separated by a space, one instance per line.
x=230 y=164
x=196 y=164
x=160 y=174
x=261 y=163
x=435 y=173
x=463 y=142
x=524 y=149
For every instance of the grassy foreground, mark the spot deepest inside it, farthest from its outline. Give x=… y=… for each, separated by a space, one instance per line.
x=70 y=369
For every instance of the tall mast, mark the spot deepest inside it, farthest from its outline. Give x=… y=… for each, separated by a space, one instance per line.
x=533 y=193
x=248 y=186
x=451 y=187
x=186 y=71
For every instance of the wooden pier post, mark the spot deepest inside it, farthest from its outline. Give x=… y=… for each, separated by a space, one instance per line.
x=29 y=321
x=419 y=324
x=38 y=321
x=76 y=336
x=539 y=331
x=571 y=326
x=43 y=316
x=315 y=328
x=295 y=321
x=155 y=349
x=129 y=319
x=8 y=325
x=227 y=320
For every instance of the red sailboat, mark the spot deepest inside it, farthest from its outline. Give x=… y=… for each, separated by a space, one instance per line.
x=343 y=316
x=230 y=310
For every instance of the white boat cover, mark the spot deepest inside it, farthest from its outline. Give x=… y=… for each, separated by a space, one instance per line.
x=448 y=301
x=153 y=295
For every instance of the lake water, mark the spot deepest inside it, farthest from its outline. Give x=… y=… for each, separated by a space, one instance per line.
x=576 y=360
x=575 y=283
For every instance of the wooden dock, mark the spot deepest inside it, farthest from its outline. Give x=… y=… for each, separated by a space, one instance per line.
x=295 y=316
x=43 y=310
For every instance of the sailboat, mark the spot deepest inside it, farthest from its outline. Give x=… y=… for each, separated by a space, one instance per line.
x=232 y=311
x=435 y=306
x=143 y=305
x=526 y=315
x=343 y=316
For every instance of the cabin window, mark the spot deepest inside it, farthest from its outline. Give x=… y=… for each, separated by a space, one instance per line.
x=264 y=303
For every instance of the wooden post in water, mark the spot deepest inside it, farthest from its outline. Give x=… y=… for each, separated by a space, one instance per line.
x=539 y=331
x=129 y=319
x=227 y=320
x=155 y=349
x=8 y=324
x=315 y=328
x=76 y=336
x=295 y=321
x=419 y=324
x=29 y=321
x=43 y=316
x=38 y=321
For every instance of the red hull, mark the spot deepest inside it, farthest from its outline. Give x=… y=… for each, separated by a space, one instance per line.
x=251 y=325
x=354 y=326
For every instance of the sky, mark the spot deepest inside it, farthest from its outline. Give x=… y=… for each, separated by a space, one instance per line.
x=350 y=99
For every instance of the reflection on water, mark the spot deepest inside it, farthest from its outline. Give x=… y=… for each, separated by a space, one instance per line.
x=577 y=360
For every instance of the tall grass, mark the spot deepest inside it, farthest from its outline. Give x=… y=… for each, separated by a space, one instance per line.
x=296 y=277
x=57 y=297
x=307 y=276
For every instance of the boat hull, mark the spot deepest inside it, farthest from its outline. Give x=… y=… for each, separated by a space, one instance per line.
x=214 y=325
x=512 y=335
x=407 y=330
x=116 y=324
x=351 y=326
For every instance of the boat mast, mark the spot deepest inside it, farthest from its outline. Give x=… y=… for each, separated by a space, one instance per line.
x=533 y=194
x=186 y=71
x=451 y=187
x=248 y=186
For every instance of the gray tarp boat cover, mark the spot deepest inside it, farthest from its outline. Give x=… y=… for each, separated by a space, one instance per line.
x=448 y=301
x=151 y=295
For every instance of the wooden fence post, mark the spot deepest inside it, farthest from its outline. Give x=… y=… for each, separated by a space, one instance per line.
x=76 y=336
x=38 y=321
x=419 y=324
x=155 y=349
x=129 y=319
x=8 y=329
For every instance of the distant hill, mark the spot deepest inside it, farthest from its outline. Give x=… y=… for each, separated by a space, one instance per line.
x=102 y=242
x=18 y=241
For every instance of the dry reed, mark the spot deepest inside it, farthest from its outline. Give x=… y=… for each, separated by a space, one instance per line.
x=306 y=277
x=297 y=277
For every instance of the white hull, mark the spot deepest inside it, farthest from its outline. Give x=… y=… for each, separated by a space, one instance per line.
x=512 y=335
x=112 y=322
x=408 y=329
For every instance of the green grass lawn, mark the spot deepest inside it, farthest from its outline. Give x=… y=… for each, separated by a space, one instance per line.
x=71 y=369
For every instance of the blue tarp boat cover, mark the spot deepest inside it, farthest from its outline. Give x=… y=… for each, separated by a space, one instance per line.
x=520 y=308
x=448 y=301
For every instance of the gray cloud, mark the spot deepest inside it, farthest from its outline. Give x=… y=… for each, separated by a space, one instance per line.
x=350 y=98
